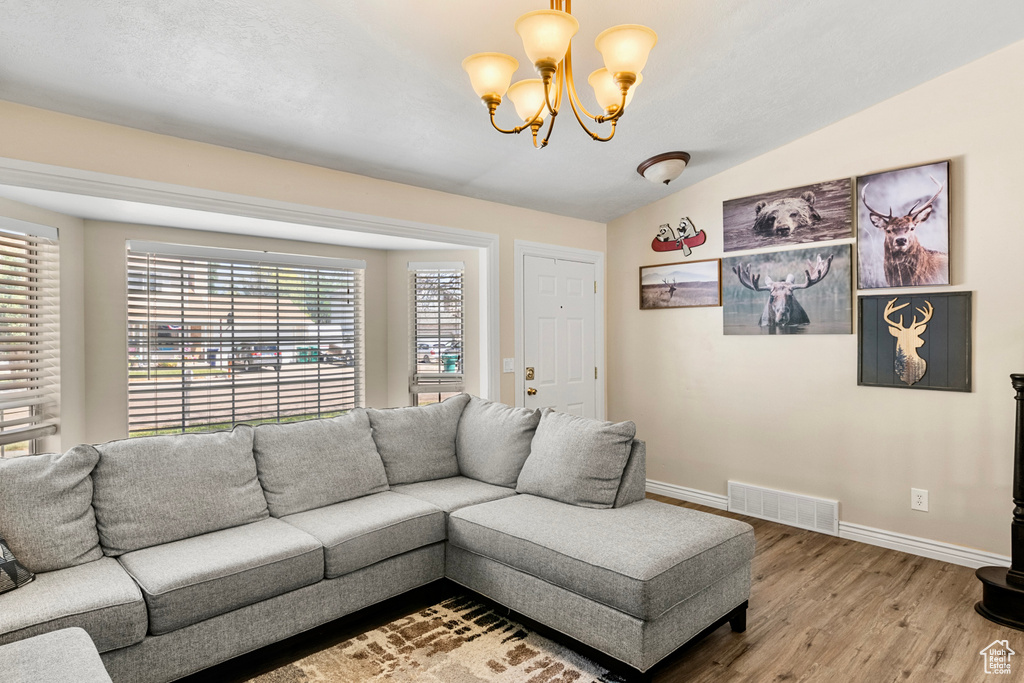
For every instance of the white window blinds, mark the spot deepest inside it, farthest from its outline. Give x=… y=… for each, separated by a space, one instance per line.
x=219 y=337
x=436 y=309
x=29 y=336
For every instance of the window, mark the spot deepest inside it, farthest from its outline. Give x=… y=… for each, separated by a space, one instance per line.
x=437 y=330
x=29 y=336
x=219 y=336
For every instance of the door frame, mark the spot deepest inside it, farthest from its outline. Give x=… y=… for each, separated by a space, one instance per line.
x=524 y=249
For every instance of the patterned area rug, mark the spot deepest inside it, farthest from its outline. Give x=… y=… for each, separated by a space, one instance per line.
x=458 y=640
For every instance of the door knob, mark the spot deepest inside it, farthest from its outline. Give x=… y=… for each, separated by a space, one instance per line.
x=531 y=391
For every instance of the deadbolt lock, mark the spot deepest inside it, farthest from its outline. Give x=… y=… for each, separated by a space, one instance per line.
x=529 y=374
x=531 y=391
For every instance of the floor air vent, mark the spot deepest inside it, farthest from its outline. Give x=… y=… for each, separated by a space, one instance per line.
x=816 y=514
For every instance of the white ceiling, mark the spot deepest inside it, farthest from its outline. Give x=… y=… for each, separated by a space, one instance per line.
x=376 y=88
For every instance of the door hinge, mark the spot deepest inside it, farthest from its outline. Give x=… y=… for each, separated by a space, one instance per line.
x=595 y=373
x=595 y=287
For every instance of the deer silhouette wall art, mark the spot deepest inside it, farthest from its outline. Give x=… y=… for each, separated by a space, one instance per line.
x=910 y=367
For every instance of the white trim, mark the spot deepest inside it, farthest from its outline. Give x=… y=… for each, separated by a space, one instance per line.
x=436 y=265
x=21 y=227
x=94 y=184
x=523 y=249
x=710 y=500
x=922 y=547
x=936 y=550
x=215 y=253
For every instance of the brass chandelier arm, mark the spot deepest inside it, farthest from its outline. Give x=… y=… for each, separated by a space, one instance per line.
x=516 y=130
x=571 y=86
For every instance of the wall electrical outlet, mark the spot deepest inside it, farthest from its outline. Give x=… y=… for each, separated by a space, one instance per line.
x=919 y=500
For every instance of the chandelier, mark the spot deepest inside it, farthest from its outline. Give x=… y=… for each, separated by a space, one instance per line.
x=547 y=40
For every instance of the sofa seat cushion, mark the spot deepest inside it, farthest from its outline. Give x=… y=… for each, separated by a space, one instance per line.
x=641 y=559
x=454 y=493
x=97 y=596
x=360 y=532
x=187 y=581
x=64 y=656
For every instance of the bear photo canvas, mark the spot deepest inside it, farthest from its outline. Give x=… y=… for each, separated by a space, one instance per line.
x=812 y=213
x=903 y=227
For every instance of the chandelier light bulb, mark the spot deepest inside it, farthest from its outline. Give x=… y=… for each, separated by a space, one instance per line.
x=546 y=34
x=528 y=97
x=490 y=73
x=625 y=48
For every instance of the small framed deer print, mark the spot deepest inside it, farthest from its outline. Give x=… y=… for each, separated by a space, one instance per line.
x=681 y=285
x=903 y=227
x=915 y=341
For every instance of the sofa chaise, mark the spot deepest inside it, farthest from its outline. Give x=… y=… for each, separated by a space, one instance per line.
x=178 y=552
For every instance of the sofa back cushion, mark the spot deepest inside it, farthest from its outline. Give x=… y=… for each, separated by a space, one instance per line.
x=418 y=444
x=46 y=511
x=576 y=460
x=306 y=465
x=493 y=441
x=157 y=489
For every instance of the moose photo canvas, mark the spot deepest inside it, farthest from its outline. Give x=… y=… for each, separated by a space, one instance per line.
x=800 y=291
x=681 y=285
x=812 y=213
x=903 y=227
x=915 y=341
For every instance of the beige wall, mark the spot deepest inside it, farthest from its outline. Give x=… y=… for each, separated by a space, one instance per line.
x=786 y=412
x=106 y=357
x=48 y=137
x=72 y=320
x=400 y=335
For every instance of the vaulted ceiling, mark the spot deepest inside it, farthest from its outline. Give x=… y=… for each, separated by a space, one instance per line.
x=376 y=88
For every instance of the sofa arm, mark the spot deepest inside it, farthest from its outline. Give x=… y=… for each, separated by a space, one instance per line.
x=633 y=486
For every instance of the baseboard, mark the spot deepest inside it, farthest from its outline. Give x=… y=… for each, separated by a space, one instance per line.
x=922 y=547
x=711 y=500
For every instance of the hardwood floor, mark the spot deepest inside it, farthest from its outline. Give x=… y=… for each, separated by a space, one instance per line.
x=828 y=609
x=821 y=609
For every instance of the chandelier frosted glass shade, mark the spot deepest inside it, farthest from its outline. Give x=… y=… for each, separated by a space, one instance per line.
x=528 y=97
x=490 y=73
x=607 y=91
x=546 y=34
x=625 y=48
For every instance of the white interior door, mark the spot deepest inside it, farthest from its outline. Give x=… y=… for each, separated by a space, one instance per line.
x=559 y=343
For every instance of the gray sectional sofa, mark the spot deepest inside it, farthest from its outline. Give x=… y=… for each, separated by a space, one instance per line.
x=175 y=553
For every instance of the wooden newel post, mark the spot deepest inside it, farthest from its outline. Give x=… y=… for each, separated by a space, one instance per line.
x=1003 y=589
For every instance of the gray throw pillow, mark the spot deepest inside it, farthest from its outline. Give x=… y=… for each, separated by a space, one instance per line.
x=152 y=490
x=306 y=465
x=493 y=441
x=46 y=511
x=576 y=460
x=418 y=444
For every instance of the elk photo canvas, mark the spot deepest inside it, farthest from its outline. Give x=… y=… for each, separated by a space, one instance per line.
x=916 y=341
x=903 y=227
x=681 y=285
x=799 y=291
x=812 y=213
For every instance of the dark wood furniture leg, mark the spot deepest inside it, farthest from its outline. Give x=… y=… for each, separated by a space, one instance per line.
x=1002 y=598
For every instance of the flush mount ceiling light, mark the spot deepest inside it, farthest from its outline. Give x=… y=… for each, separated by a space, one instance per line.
x=547 y=36
x=664 y=168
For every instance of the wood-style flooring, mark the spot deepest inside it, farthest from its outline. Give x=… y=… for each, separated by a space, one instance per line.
x=821 y=609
